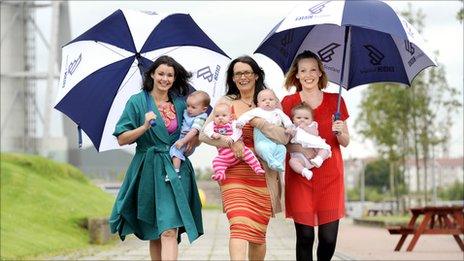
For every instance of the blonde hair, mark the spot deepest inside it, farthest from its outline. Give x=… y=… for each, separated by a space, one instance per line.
x=290 y=77
x=222 y=105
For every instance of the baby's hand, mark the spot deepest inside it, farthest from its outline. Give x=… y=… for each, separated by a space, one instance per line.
x=216 y=136
x=228 y=140
x=290 y=131
x=179 y=144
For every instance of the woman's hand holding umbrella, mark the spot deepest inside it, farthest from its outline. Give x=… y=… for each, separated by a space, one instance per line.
x=150 y=118
x=339 y=128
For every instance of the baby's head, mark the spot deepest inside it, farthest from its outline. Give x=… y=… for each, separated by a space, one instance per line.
x=197 y=103
x=267 y=100
x=302 y=114
x=222 y=114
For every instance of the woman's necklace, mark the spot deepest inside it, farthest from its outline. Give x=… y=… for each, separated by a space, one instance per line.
x=249 y=104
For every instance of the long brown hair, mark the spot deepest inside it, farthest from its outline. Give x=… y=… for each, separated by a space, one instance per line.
x=290 y=77
x=181 y=76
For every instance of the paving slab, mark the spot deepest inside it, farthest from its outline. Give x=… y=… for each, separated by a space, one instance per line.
x=355 y=242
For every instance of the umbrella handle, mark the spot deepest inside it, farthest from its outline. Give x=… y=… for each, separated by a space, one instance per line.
x=336 y=117
x=149 y=108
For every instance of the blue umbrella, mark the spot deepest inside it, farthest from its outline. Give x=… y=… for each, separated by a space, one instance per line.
x=102 y=67
x=358 y=42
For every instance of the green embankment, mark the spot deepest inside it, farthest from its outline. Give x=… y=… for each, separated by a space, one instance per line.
x=42 y=203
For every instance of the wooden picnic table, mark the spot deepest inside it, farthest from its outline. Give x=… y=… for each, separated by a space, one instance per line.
x=437 y=220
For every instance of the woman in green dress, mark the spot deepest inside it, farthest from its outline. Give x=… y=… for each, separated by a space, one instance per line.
x=155 y=202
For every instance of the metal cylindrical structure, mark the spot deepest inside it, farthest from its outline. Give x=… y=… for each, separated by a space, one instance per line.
x=21 y=113
x=14 y=118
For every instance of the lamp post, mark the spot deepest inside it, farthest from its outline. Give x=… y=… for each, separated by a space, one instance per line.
x=362 y=190
x=436 y=139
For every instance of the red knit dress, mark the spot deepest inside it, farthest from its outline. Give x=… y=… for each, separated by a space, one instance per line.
x=321 y=199
x=246 y=198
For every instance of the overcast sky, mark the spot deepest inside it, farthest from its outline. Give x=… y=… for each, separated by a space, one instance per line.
x=238 y=27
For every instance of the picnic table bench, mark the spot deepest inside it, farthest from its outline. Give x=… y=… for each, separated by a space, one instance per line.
x=438 y=220
x=376 y=211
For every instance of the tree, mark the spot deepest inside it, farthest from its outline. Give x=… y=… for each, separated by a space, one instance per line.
x=434 y=102
x=376 y=174
x=404 y=121
x=460 y=15
x=384 y=119
x=453 y=192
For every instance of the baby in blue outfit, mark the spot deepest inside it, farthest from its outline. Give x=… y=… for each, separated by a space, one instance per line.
x=194 y=119
x=268 y=109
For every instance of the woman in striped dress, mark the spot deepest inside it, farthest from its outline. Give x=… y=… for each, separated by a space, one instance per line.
x=249 y=200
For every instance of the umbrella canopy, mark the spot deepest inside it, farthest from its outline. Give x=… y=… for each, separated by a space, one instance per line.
x=359 y=42
x=103 y=67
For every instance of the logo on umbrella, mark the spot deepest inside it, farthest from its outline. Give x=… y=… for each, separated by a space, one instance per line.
x=375 y=55
x=409 y=47
x=206 y=73
x=317 y=8
x=287 y=39
x=71 y=68
x=149 y=12
x=326 y=53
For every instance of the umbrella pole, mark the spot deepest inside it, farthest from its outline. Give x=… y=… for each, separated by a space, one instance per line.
x=337 y=113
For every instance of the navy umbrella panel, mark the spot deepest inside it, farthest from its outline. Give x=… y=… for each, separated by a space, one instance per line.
x=102 y=67
x=372 y=42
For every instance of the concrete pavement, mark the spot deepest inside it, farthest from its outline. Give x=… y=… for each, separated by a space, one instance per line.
x=354 y=243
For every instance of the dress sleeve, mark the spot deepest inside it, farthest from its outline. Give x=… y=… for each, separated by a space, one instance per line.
x=129 y=119
x=246 y=117
x=285 y=119
x=208 y=130
x=312 y=128
x=204 y=138
x=236 y=132
x=198 y=123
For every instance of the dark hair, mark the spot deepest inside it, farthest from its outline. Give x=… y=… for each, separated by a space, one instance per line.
x=232 y=88
x=302 y=106
x=290 y=77
x=181 y=76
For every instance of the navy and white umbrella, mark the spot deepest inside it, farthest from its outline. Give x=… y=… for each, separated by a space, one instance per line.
x=359 y=42
x=102 y=68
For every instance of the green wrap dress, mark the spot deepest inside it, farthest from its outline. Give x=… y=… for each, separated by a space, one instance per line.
x=146 y=205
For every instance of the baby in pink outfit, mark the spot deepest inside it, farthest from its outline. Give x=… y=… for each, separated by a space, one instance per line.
x=223 y=125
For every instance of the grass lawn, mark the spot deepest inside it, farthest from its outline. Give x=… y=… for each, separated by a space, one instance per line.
x=395 y=220
x=42 y=202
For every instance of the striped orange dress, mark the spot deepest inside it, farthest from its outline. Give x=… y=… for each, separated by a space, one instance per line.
x=246 y=199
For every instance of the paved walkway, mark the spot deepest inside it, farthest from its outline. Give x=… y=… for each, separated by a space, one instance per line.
x=354 y=243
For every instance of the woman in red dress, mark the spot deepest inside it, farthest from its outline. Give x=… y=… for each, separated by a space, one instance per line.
x=319 y=201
